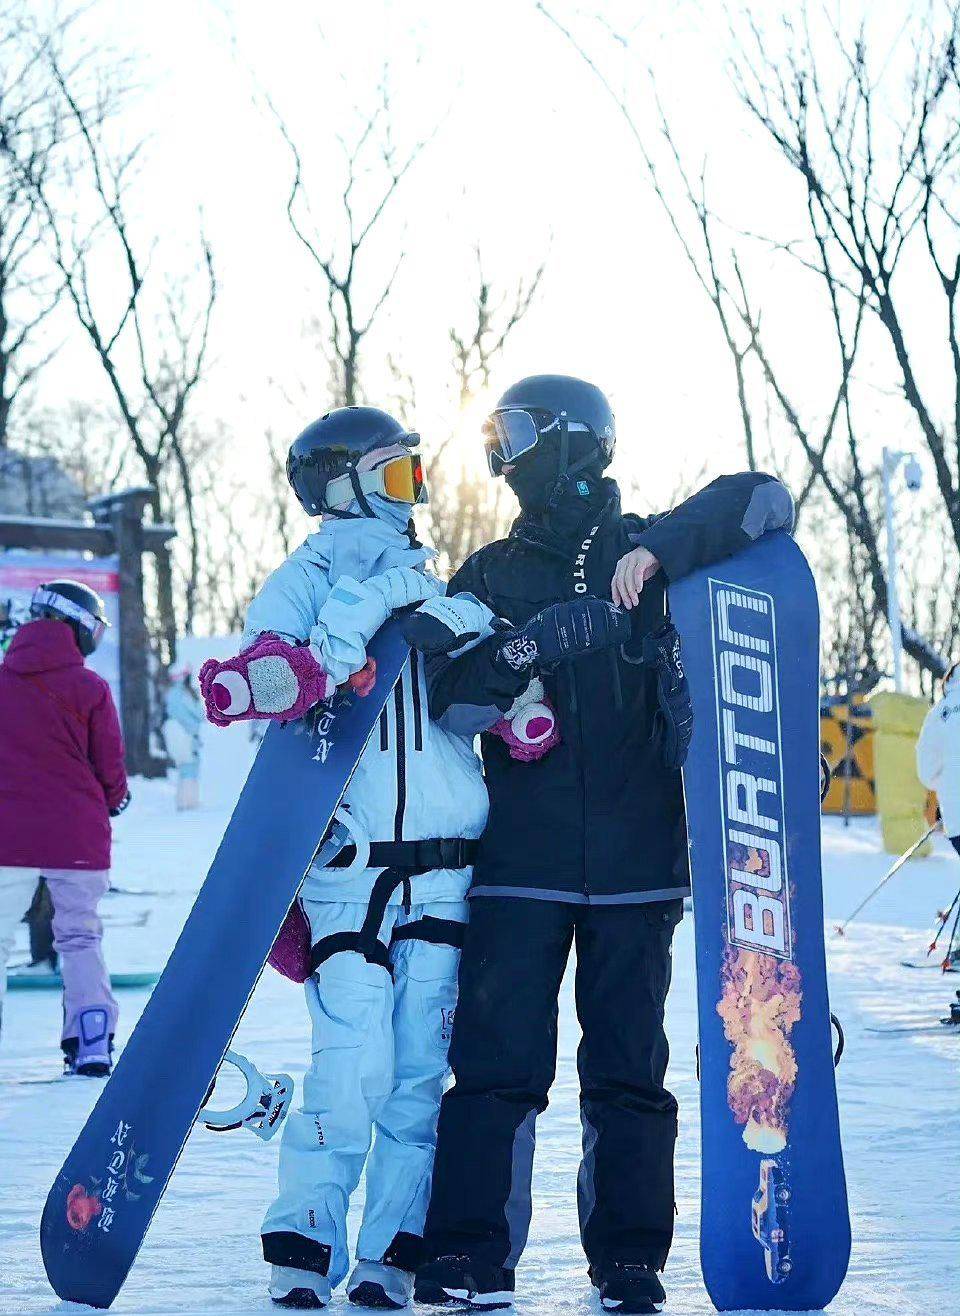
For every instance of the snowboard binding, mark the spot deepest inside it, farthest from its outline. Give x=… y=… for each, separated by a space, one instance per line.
x=262 y=1109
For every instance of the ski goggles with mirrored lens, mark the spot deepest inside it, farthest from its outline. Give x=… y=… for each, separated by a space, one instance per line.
x=47 y=598
x=507 y=435
x=400 y=480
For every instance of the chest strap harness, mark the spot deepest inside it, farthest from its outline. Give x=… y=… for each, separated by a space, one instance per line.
x=401 y=861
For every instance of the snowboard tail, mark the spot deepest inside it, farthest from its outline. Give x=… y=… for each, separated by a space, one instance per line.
x=101 y=1204
x=775 y=1232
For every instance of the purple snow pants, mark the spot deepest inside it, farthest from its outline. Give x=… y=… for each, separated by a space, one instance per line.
x=77 y=933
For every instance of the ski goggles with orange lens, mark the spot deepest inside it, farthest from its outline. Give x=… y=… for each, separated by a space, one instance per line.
x=400 y=480
x=507 y=435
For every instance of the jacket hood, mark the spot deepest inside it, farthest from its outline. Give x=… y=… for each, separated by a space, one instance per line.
x=42 y=646
x=360 y=548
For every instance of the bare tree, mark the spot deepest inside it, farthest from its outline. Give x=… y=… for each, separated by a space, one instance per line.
x=153 y=347
x=29 y=292
x=240 y=506
x=257 y=518
x=477 y=352
x=467 y=508
x=874 y=194
x=861 y=218
x=281 y=503
x=374 y=166
x=79 y=443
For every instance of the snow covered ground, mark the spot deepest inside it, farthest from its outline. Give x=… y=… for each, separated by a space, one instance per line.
x=899 y=1096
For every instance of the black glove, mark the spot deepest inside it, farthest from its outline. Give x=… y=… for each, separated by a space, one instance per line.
x=432 y=634
x=673 y=720
x=561 y=633
x=116 y=811
x=446 y=623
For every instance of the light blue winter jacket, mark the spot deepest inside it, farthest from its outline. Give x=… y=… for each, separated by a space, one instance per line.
x=415 y=780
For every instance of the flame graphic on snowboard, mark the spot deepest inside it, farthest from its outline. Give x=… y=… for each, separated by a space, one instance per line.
x=760 y=1000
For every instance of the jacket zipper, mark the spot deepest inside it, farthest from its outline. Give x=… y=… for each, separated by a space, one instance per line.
x=577 y=709
x=417 y=709
x=398 y=704
x=581 y=748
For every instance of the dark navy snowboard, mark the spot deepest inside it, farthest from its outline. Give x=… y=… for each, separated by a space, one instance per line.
x=104 y=1197
x=775 y=1229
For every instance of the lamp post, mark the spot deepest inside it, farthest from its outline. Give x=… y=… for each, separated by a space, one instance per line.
x=913 y=477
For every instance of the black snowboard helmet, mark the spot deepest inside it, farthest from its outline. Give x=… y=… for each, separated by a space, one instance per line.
x=332 y=446
x=78 y=605
x=551 y=429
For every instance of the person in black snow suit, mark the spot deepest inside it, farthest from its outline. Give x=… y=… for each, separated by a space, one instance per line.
x=584 y=844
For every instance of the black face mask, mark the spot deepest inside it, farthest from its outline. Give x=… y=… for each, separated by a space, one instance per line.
x=535 y=477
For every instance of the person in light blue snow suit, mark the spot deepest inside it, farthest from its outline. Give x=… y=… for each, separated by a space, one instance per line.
x=384 y=904
x=183 y=719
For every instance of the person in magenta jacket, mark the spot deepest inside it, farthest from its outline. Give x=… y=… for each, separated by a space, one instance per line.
x=62 y=778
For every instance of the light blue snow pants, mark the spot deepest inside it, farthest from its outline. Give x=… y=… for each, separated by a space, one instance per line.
x=378 y=1070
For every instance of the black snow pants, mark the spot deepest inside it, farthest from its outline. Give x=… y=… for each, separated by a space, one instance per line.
x=503 y=1055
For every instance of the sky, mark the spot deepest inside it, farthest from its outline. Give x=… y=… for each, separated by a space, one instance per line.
x=527 y=159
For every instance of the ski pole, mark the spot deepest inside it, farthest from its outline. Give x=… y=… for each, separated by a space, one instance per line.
x=891 y=872
x=953 y=937
x=942 y=920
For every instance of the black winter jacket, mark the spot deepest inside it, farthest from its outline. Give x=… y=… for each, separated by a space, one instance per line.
x=598 y=820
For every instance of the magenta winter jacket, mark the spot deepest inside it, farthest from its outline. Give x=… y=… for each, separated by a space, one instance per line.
x=61 y=754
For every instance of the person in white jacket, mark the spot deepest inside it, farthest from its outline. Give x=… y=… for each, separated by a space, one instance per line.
x=386 y=901
x=938 y=754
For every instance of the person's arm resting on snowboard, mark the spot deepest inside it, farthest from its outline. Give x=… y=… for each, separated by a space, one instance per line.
x=729 y=514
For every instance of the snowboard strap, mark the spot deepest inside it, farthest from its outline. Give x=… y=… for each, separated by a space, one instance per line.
x=366 y=942
x=438 y=931
x=374 y=952
x=412 y=856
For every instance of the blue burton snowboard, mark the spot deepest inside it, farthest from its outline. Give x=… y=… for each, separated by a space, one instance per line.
x=775 y=1229
x=104 y=1197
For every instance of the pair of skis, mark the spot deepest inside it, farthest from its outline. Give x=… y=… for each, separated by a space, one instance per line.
x=775 y=1230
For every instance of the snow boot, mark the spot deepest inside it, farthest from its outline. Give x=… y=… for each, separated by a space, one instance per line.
x=383 y=1287
x=301 y=1290
x=460 y=1284
x=91 y=1054
x=628 y=1287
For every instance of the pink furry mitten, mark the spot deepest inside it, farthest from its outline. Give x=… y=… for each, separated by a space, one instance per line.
x=270 y=679
x=291 y=950
x=529 y=727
